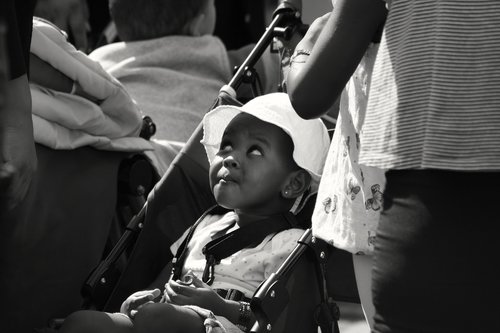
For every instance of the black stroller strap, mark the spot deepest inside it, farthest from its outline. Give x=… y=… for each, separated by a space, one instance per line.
x=224 y=246
x=241 y=238
x=233 y=295
x=181 y=252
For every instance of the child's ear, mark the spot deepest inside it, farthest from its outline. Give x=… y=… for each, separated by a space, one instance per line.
x=297 y=183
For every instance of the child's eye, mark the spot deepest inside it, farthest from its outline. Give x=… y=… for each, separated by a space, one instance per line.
x=255 y=151
x=225 y=147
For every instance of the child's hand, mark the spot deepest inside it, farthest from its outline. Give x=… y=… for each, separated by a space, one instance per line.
x=198 y=293
x=135 y=301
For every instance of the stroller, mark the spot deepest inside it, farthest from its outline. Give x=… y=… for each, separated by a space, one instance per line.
x=183 y=194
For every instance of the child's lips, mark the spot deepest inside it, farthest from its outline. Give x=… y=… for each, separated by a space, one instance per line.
x=226 y=179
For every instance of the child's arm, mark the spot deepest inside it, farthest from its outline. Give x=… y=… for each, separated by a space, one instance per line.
x=336 y=44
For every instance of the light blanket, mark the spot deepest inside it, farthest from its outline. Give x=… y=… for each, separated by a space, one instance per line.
x=98 y=112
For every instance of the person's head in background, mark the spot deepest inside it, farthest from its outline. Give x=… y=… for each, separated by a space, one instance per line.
x=147 y=19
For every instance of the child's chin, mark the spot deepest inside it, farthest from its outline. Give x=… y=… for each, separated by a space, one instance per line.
x=223 y=201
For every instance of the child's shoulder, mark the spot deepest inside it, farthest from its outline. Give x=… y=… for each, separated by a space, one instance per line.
x=288 y=236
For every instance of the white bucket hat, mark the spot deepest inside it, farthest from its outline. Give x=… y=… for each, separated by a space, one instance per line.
x=310 y=137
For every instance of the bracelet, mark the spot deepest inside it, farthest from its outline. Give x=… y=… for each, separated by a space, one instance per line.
x=299 y=52
x=244 y=317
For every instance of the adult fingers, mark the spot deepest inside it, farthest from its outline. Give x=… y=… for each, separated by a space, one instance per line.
x=13 y=186
x=7 y=179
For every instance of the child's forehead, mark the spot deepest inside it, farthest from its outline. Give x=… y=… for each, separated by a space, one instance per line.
x=244 y=122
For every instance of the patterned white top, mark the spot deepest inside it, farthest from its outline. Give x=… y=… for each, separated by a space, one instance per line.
x=435 y=96
x=247 y=268
x=349 y=198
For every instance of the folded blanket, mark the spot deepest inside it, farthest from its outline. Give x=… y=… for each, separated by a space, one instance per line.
x=98 y=112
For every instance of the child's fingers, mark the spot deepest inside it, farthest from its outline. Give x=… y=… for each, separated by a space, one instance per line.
x=166 y=298
x=145 y=297
x=175 y=288
x=143 y=293
x=133 y=312
x=132 y=300
x=197 y=282
x=148 y=294
x=156 y=293
x=176 y=293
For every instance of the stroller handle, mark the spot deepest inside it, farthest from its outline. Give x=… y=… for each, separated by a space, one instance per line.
x=289 y=5
x=287 y=16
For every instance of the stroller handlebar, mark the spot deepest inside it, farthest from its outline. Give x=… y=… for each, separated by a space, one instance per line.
x=286 y=15
x=289 y=5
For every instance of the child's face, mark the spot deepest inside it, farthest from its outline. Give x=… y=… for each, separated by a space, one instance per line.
x=252 y=166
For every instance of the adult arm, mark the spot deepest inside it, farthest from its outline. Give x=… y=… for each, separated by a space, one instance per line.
x=315 y=81
x=17 y=149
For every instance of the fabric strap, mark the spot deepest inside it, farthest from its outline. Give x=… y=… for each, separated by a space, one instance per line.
x=224 y=246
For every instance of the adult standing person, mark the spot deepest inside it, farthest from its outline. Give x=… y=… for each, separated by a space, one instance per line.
x=433 y=120
x=17 y=147
x=349 y=199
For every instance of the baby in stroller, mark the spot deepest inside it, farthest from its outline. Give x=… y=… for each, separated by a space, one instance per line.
x=265 y=161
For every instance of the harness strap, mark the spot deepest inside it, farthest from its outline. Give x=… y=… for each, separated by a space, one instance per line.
x=232 y=294
x=241 y=238
x=224 y=246
x=180 y=255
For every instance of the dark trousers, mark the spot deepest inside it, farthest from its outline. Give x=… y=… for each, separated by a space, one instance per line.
x=436 y=261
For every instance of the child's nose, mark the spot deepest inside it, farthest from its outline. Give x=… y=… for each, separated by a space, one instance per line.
x=230 y=162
